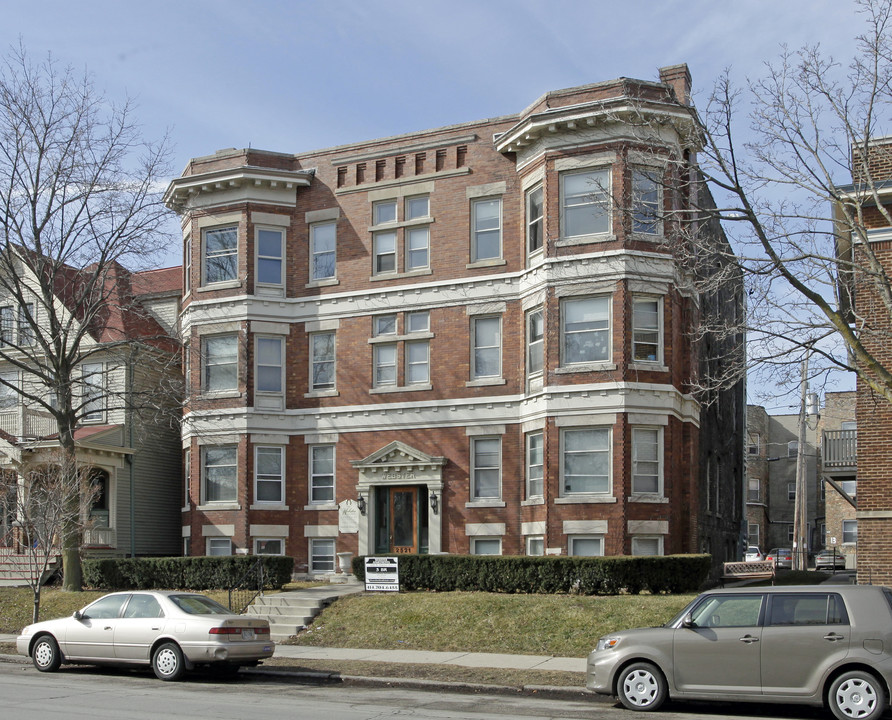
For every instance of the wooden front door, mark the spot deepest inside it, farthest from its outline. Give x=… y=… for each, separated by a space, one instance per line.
x=404 y=520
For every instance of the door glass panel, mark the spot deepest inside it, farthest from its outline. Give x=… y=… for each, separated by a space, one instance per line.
x=403 y=502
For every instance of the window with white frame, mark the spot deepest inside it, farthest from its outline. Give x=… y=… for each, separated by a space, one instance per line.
x=585 y=464
x=7 y=324
x=585 y=330
x=752 y=534
x=647 y=545
x=646 y=345
x=535 y=327
x=219 y=546
x=417 y=322
x=322 y=555
x=187 y=267
x=26 y=332
x=269 y=474
x=850 y=487
x=322 y=474
x=790 y=536
x=220 y=360
x=322 y=361
x=219 y=472
x=535 y=454
x=270 y=365
x=535 y=545
x=586 y=545
x=791 y=491
x=792 y=448
x=850 y=531
x=384 y=247
x=269 y=546
x=486 y=546
x=585 y=203
x=753 y=442
x=220 y=258
x=417 y=238
x=9 y=395
x=385 y=364
x=384 y=325
x=93 y=384
x=534 y=220
x=486 y=225
x=270 y=256
x=754 y=490
x=384 y=212
x=486 y=468
x=486 y=360
x=323 y=251
x=645 y=201
x=187 y=477
x=418 y=362
x=647 y=475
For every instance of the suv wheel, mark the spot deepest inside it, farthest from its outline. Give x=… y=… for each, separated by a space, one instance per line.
x=856 y=694
x=641 y=686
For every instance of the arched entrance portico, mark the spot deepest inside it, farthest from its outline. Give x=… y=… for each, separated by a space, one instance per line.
x=402 y=488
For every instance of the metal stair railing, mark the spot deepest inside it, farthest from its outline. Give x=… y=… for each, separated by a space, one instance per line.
x=246 y=588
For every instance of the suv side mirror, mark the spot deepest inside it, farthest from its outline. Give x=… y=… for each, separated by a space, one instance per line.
x=688 y=621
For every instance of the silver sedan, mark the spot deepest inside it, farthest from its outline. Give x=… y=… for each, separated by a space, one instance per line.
x=171 y=631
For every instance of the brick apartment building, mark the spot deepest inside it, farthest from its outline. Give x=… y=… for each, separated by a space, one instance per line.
x=473 y=339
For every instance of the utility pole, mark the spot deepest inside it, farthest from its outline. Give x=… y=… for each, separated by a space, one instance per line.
x=800 y=507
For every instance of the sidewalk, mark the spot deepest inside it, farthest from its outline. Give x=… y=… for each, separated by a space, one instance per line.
x=423 y=657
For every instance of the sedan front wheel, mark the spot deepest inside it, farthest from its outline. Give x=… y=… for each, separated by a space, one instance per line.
x=45 y=654
x=167 y=662
x=641 y=686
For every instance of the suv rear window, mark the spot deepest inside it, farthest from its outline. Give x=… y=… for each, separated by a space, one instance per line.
x=807 y=609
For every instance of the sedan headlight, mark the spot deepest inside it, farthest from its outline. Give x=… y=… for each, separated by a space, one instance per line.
x=608 y=642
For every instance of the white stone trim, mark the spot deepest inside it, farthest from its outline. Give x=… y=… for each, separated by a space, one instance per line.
x=312 y=326
x=275 y=531
x=265 y=218
x=261 y=327
x=608 y=419
x=494 y=188
x=186 y=531
x=581 y=162
x=484 y=529
x=533 y=528
x=585 y=527
x=325 y=215
x=647 y=527
x=480 y=430
x=320 y=531
x=217 y=531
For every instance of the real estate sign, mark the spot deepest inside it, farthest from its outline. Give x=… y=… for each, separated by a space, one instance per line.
x=382 y=573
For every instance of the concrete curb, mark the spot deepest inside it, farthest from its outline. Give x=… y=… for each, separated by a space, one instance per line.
x=552 y=691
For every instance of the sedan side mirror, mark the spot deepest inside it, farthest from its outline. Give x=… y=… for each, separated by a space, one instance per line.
x=78 y=615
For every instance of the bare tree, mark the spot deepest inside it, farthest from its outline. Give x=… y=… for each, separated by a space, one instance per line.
x=790 y=159
x=79 y=202
x=42 y=498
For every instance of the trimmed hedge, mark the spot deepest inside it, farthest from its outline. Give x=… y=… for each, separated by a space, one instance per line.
x=183 y=573
x=551 y=574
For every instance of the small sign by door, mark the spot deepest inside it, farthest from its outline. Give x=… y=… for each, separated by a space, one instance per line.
x=382 y=574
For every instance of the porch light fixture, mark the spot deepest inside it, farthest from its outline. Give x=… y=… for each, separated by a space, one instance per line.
x=433 y=499
x=360 y=501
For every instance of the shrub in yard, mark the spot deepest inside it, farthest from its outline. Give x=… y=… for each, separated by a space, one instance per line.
x=521 y=574
x=185 y=573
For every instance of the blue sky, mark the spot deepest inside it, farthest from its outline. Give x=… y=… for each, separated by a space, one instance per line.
x=295 y=75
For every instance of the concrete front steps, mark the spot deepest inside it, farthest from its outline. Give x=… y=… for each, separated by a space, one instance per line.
x=15 y=568
x=292 y=611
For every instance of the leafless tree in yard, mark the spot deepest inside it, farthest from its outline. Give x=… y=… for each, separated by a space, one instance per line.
x=41 y=501
x=79 y=201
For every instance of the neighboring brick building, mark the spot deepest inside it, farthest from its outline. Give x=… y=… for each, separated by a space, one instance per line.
x=473 y=339
x=839 y=469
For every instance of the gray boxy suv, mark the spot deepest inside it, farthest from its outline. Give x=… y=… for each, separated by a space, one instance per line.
x=818 y=645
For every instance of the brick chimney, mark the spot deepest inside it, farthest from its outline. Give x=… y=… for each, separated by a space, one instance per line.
x=678 y=77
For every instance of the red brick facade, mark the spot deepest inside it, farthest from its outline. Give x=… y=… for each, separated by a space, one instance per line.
x=408 y=410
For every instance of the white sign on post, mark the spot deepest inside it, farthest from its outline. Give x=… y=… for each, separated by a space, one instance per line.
x=382 y=573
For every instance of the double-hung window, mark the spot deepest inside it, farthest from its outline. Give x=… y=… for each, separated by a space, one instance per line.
x=535 y=343
x=486 y=546
x=384 y=360
x=753 y=492
x=647 y=475
x=585 y=203
x=410 y=350
x=417 y=238
x=9 y=393
x=646 y=345
x=486 y=229
x=534 y=220
x=585 y=330
x=220 y=357
x=586 y=545
x=220 y=261
x=486 y=361
x=850 y=531
x=269 y=474
x=322 y=362
x=645 y=202
x=486 y=468
x=270 y=255
x=322 y=474
x=322 y=555
x=93 y=379
x=7 y=324
x=270 y=356
x=219 y=473
x=585 y=462
x=418 y=351
x=385 y=252
x=323 y=251
x=535 y=452
x=647 y=545
x=26 y=316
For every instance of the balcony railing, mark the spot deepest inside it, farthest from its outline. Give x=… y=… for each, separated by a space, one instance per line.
x=839 y=448
x=23 y=422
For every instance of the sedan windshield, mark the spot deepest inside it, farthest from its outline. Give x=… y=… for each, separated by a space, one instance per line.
x=199 y=605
